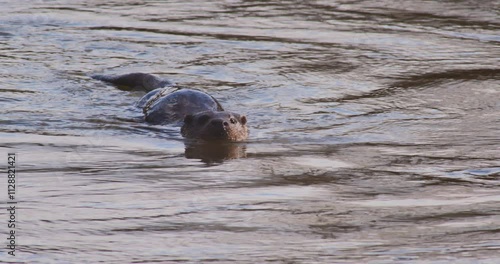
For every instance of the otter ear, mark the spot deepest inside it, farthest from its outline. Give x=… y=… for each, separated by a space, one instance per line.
x=243 y=120
x=188 y=119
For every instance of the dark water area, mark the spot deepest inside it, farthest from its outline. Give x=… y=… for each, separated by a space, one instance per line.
x=374 y=132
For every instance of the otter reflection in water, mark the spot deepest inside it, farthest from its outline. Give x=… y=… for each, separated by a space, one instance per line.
x=214 y=152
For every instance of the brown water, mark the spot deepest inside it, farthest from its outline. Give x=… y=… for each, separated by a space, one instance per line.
x=374 y=132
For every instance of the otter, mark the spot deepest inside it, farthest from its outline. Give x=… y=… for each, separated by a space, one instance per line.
x=201 y=115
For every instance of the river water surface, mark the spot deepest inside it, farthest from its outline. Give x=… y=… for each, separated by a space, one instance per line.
x=374 y=132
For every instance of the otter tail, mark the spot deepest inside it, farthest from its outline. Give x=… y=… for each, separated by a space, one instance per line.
x=134 y=81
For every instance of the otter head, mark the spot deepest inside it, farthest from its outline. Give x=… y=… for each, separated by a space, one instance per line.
x=210 y=125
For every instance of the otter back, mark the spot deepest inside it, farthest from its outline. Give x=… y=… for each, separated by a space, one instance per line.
x=160 y=108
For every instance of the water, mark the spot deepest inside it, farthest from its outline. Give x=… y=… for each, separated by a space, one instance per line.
x=373 y=132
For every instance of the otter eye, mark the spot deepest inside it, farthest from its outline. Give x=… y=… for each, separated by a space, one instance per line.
x=232 y=120
x=203 y=119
